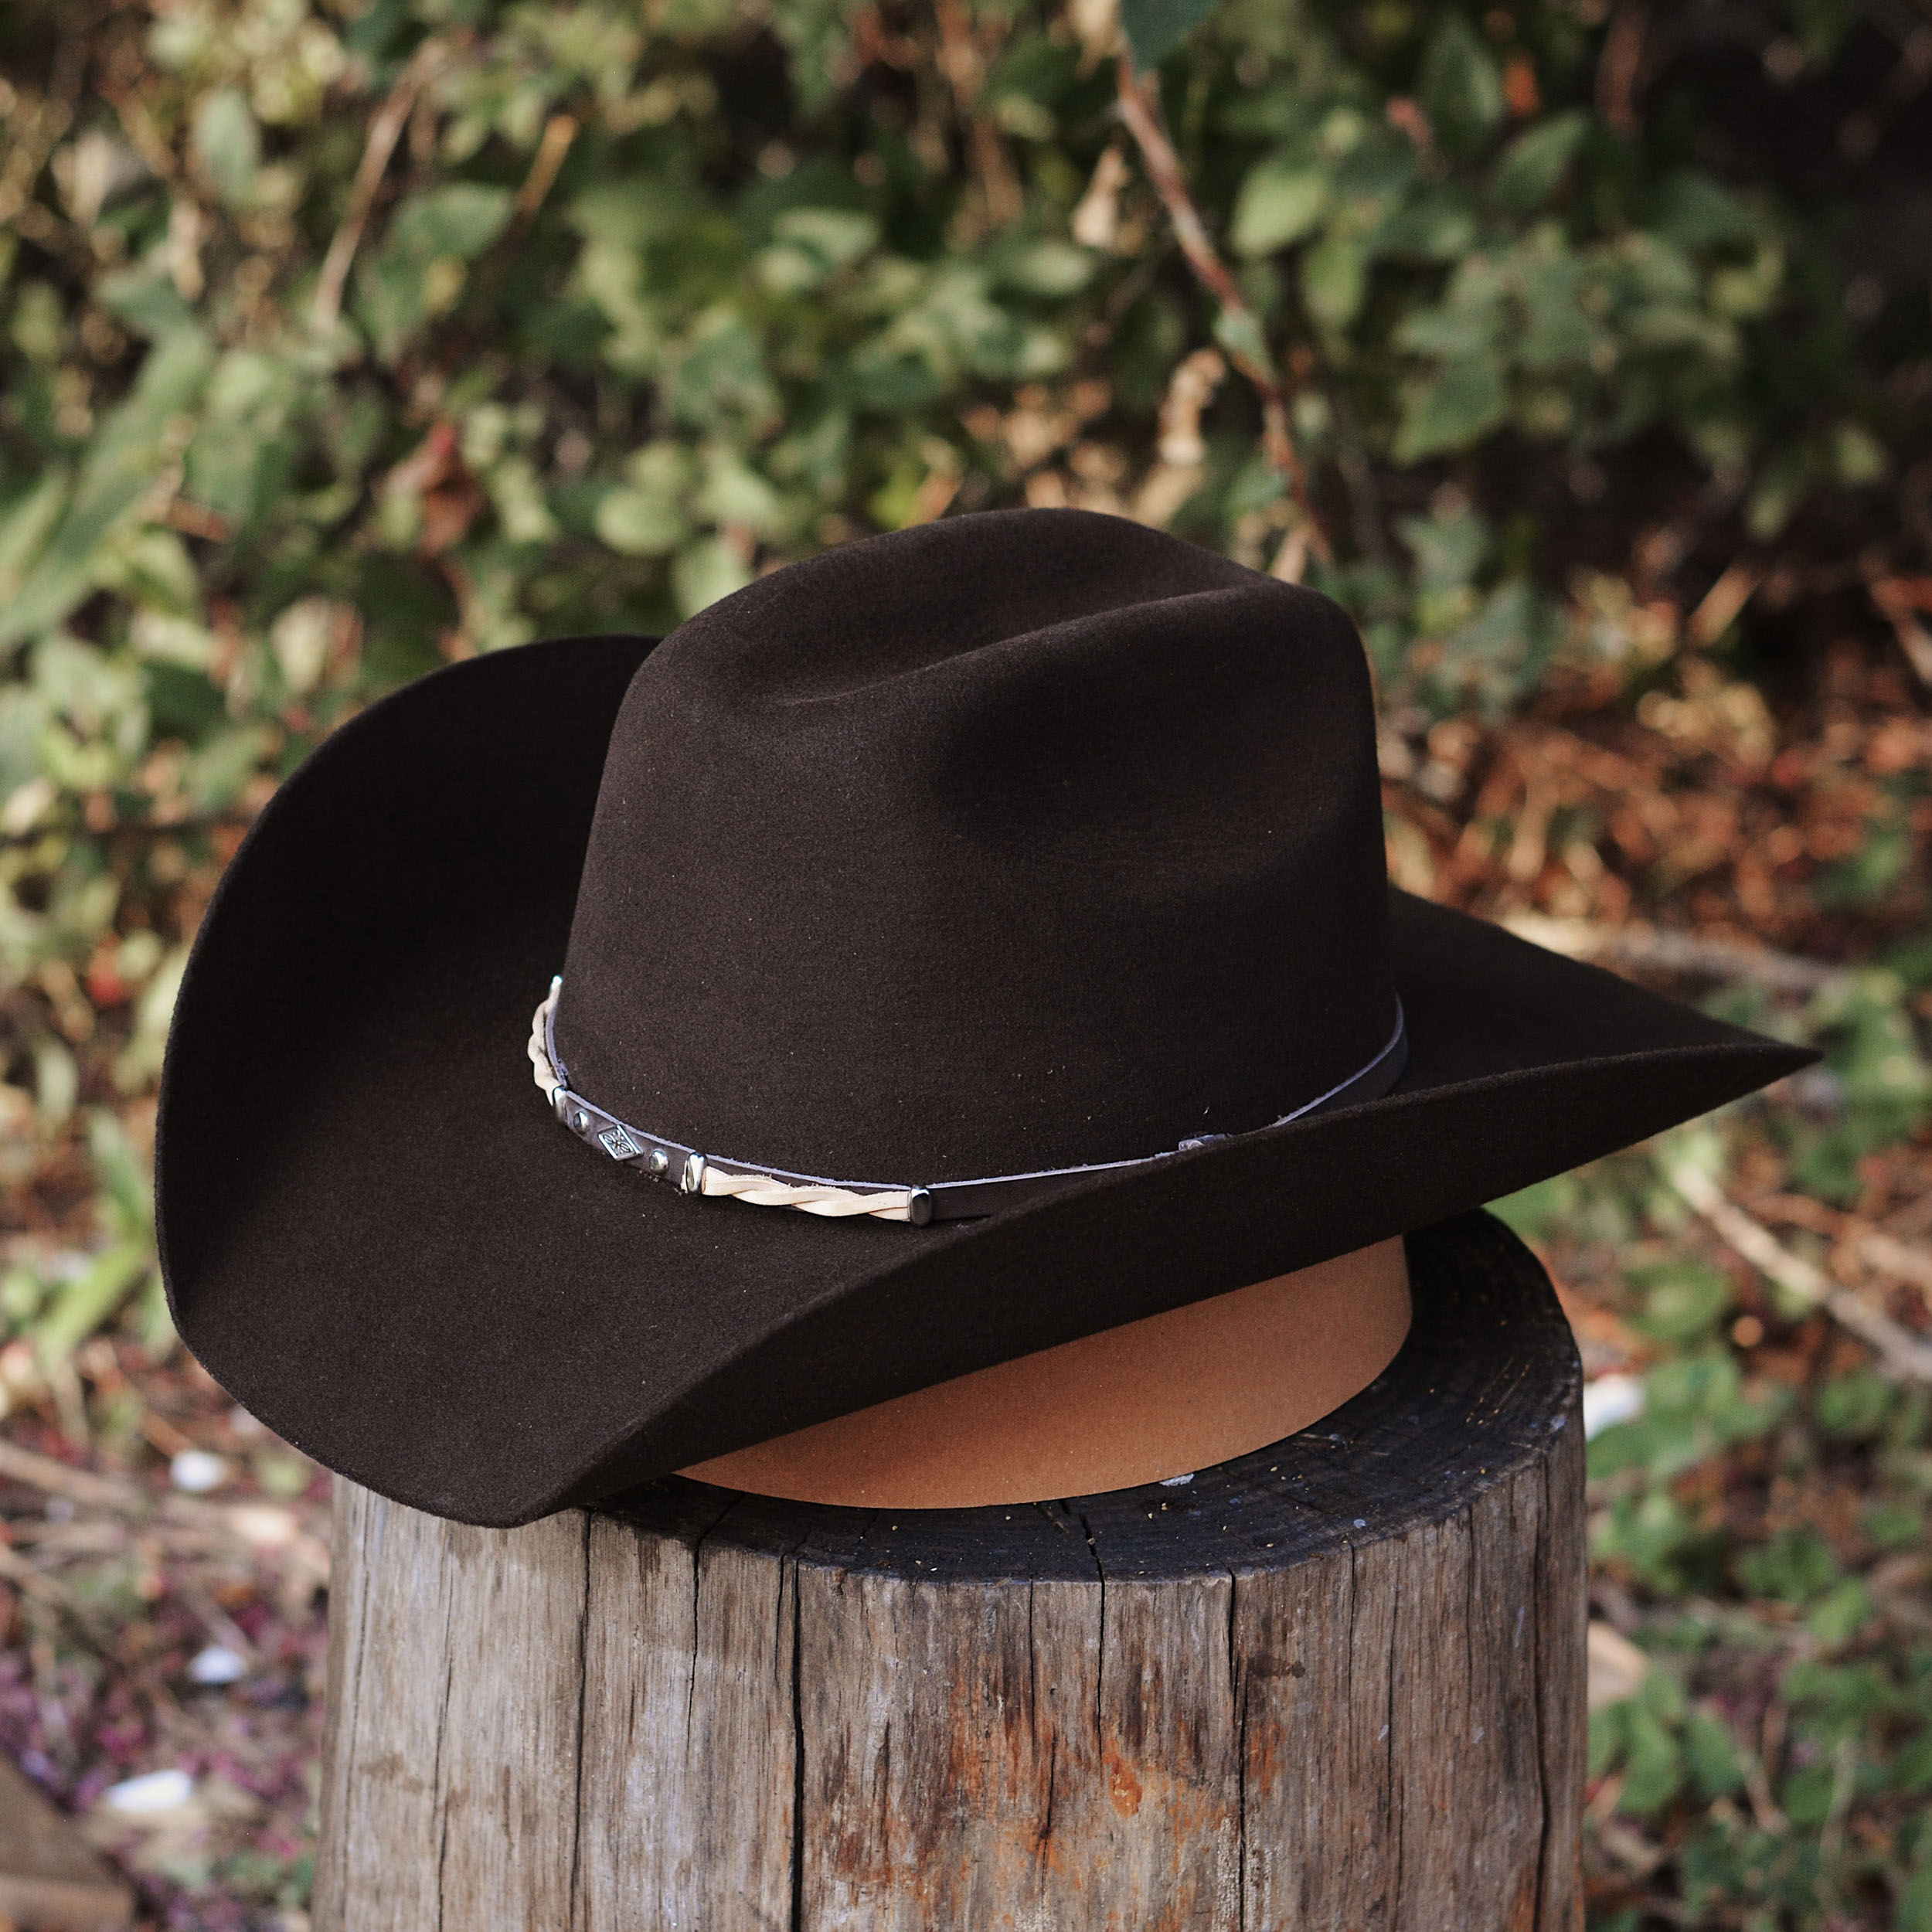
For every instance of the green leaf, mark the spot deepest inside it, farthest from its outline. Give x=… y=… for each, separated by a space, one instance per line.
x=721 y=375
x=148 y=304
x=1806 y=1795
x=1912 y=1764
x=825 y=240
x=1854 y=1405
x=1914 y=1910
x=461 y=219
x=223 y=764
x=1527 y=172
x=1048 y=268
x=1461 y=89
x=1840 y=1613
x=1450 y=548
x=1280 y=201
x=1154 y=28
x=1539 y=1210
x=636 y=525
x=1794 y=1565
x=1653 y=1766
x=1682 y=1301
x=1858 y=456
x=419 y=272
x=1439 y=226
x=1334 y=278
x=710 y=570
x=119 y=471
x=81 y=1305
x=1454 y=408
x=1560 y=334
x=1695 y=211
x=1239 y=331
x=733 y=493
x=228 y=143
x=25 y=525
x=126 y=1197
x=1711 y=1754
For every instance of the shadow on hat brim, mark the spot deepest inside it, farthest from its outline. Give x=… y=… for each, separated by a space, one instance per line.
x=376 y=1236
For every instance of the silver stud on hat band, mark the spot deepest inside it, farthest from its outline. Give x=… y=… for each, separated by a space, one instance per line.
x=658 y=1158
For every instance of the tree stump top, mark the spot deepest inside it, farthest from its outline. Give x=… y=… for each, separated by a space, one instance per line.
x=1488 y=1373
x=1333 y=1686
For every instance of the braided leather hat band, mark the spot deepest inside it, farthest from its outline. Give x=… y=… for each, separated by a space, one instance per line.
x=659 y=1158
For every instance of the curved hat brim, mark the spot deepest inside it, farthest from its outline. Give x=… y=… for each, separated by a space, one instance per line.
x=375 y=1236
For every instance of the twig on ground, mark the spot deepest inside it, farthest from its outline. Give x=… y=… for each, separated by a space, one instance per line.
x=133 y=828
x=1885 y=1254
x=1620 y=67
x=15 y=1569
x=93 y=1631
x=963 y=61
x=36 y=126
x=559 y=132
x=1901 y=1353
x=1181 y=449
x=384 y=131
x=264 y=1529
x=1758 y=1787
x=1724 y=601
x=1903 y=602
x=1878 y=1249
x=77 y=1485
x=1241 y=332
x=1665 y=950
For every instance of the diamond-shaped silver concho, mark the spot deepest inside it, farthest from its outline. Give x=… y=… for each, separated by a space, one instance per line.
x=617 y=1143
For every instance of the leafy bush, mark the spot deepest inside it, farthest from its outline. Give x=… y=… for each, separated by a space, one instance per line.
x=343 y=337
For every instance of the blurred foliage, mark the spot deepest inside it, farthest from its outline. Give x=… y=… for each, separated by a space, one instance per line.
x=1760 y=1523
x=339 y=338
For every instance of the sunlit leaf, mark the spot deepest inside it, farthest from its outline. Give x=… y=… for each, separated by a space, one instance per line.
x=1453 y=408
x=1280 y=201
x=1460 y=88
x=228 y=143
x=1154 y=28
x=1527 y=172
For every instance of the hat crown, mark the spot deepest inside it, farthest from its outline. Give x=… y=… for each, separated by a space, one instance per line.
x=1023 y=840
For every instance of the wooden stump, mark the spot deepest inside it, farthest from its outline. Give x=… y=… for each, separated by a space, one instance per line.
x=1337 y=1684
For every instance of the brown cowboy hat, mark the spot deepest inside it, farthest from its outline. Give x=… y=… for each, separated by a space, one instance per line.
x=967 y=940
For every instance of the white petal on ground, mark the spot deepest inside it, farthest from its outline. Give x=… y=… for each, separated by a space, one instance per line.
x=1610 y=1399
x=217 y=1664
x=198 y=1471
x=153 y=1791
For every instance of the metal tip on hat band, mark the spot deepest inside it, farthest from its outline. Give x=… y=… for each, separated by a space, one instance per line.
x=692 y=1172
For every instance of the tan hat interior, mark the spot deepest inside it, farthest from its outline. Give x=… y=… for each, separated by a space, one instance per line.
x=1150 y=1400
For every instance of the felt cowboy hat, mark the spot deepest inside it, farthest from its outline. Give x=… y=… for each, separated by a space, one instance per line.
x=964 y=942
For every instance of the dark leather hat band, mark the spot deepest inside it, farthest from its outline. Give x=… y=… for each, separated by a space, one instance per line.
x=691 y=1172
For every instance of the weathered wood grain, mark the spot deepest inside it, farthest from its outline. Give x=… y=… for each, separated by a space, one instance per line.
x=1336 y=1686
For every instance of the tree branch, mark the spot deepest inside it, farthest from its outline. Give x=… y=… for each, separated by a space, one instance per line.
x=384 y=131
x=1240 y=332
x=1902 y=1354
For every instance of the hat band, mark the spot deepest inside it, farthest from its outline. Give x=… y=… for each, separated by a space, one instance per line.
x=691 y=1172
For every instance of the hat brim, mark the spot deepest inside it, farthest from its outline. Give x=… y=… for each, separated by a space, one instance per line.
x=376 y=1236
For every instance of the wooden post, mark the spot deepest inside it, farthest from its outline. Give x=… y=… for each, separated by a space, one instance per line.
x=1337 y=1684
